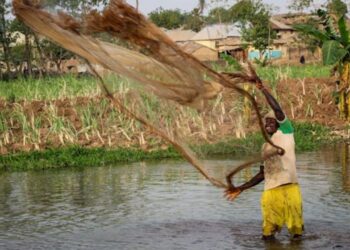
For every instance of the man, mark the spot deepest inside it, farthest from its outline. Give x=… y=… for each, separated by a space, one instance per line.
x=281 y=201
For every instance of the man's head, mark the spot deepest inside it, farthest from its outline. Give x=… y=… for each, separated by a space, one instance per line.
x=271 y=124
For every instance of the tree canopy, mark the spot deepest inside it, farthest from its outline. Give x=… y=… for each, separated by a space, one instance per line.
x=253 y=17
x=169 y=19
x=337 y=7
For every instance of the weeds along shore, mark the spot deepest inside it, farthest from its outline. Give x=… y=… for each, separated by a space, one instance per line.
x=308 y=137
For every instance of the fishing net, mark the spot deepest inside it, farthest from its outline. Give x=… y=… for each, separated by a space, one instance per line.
x=165 y=84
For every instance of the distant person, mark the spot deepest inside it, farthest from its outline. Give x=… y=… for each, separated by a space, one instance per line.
x=302 y=59
x=281 y=201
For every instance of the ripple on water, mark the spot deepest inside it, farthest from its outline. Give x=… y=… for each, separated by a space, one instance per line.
x=163 y=206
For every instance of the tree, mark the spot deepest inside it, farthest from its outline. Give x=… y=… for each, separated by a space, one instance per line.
x=300 y=5
x=18 y=26
x=219 y=15
x=169 y=19
x=194 y=21
x=201 y=6
x=335 y=42
x=253 y=18
x=337 y=7
x=56 y=53
x=74 y=7
x=45 y=49
x=311 y=42
x=5 y=36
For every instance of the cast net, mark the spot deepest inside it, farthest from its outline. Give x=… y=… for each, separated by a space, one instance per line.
x=165 y=84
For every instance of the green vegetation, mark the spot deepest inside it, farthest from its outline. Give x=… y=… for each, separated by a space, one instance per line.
x=68 y=86
x=94 y=122
x=310 y=70
x=335 y=42
x=78 y=157
x=307 y=136
x=48 y=88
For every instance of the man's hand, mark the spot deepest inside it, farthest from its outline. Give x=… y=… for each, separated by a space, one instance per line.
x=232 y=193
x=259 y=85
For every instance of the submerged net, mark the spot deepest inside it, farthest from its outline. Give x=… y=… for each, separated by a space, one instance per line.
x=165 y=78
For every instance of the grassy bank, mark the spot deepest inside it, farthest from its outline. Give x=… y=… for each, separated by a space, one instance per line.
x=307 y=137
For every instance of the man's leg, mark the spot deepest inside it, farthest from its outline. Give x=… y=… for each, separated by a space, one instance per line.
x=269 y=230
x=294 y=212
x=272 y=210
x=296 y=232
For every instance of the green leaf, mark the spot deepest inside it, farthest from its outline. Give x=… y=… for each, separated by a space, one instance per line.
x=333 y=52
x=312 y=31
x=344 y=33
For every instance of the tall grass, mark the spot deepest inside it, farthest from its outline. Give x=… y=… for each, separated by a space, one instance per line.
x=277 y=73
x=48 y=88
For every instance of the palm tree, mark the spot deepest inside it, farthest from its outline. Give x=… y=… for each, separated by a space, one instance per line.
x=137 y=5
x=201 y=5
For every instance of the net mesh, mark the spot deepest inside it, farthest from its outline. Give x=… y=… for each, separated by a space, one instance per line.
x=164 y=82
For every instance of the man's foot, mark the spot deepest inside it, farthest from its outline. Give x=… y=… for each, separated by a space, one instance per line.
x=268 y=237
x=297 y=237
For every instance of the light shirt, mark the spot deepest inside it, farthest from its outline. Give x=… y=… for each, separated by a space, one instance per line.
x=280 y=170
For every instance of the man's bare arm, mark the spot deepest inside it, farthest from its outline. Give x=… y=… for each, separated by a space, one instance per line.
x=233 y=192
x=259 y=177
x=272 y=102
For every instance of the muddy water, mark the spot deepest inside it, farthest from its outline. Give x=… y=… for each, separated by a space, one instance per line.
x=167 y=205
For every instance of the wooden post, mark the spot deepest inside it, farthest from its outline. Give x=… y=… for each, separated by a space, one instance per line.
x=247 y=109
x=344 y=93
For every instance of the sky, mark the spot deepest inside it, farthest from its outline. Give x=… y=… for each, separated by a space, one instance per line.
x=147 y=6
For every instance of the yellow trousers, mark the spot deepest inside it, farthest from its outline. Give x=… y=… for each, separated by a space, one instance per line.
x=282 y=206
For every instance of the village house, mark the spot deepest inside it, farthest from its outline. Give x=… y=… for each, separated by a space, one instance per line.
x=287 y=46
x=210 y=42
x=288 y=40
x=201 y=52
x=180 y=36
x=226 y=38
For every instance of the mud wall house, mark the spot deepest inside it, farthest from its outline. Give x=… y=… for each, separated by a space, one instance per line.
x=224 y=38
x=288 y=39
x=74 y=66
x=200 y=51
x=233 y=46
x=279 y=47
x=183 y=39
x=286 y=47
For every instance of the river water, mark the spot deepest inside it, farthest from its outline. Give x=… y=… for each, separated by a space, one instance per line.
x=167 y=205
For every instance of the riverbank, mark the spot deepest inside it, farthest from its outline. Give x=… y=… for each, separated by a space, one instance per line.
x=66 y=121
x=307 y=136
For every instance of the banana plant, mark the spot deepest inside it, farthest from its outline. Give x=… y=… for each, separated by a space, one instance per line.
x=334 y=40
x=335 y=43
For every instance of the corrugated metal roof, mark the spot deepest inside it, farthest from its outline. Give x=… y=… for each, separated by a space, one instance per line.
x=180 y=35
x=217 y=31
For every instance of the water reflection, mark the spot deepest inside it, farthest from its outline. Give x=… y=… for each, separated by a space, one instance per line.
x=161 y=205
x=345 y=162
